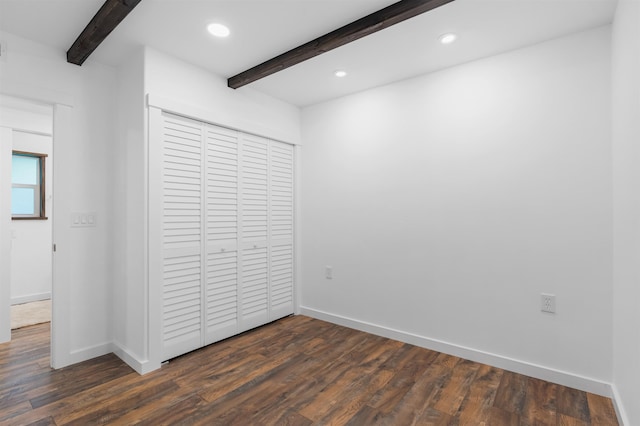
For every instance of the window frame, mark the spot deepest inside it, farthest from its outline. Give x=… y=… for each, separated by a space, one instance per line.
x=41 y=215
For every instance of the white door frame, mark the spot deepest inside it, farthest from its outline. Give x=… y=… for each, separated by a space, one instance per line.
x=63 y=125
x=63 y=128
x=6 y=145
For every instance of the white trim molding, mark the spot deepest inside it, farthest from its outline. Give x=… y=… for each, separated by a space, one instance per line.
x=140 y=366
x=30 y=298
x=6 y=144
x=230 y=121
x=36 y=93
x=563 y=378
x=83 y=354
x=617 y=405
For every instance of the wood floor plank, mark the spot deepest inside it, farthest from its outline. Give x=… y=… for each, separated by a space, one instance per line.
x=93 y=375
x=223 y=384
x=325 y=402
x=423 y=392
x=77 y=405
x=354 y=397
x=237 y=404
x=168 y=412
x=124 y=403
x=564 y=420
x=12 y=375
x=409 y=363
x=367 y=415
x=291 y=418
x=296 y=371
x=316 y=376
x=27 y=418
x=227 y=380
x=498 y=416
x=511 y=393
x=379 y=351
x=456 y=390
x=540 y=402
x=14 y=410
x=476 y=407
x=601 y=410
x=358 y=385
x=433 y=417
x=299 y=390
x=46 y=385
x=47 y=421
x=573 y=403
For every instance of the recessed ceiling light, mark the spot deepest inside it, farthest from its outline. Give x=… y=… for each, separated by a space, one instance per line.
x=340 y=73
x=448 y=38
x=218 y=30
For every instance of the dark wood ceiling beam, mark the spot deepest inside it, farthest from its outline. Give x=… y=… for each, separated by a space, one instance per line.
x=363 y=27
x=106 y=20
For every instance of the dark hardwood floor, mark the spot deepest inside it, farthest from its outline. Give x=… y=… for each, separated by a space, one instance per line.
x=296 y=371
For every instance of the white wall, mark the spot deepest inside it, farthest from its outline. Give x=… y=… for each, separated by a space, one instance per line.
x=244 y=109
x=191 y=91
x=83 y=146
x=129 y=244
x=446 y=204
x=626 y=205
x=31 y=254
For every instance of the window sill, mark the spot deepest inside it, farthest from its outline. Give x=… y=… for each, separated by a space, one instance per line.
x=30 y=218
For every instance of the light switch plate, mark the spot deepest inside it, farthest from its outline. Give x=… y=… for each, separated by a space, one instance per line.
x=83 y=220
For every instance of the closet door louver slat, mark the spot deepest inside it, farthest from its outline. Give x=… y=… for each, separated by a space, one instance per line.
x=255 y=191
x=221 y=296
x=254 y=291
x=222 y=234
x=181 y=236
x=282 y=226
x=255 y=287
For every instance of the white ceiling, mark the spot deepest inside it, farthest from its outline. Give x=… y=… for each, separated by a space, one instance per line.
x=262 y=29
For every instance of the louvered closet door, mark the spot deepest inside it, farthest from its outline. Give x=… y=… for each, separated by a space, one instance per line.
x=281 y=230
x=221 y=295
x=182 y=193
x=254 y=256
x=224 y=202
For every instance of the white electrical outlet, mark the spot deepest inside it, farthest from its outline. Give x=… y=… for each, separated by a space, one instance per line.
x=328 y=272
x=548 y=303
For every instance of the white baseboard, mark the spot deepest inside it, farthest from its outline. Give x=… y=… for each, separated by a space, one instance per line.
x=85 y=354
x=617 y=404
x=140 y=366
x=522 y=367
x=30 y=298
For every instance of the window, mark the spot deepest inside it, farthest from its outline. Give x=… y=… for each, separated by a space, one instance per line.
x=27 y=185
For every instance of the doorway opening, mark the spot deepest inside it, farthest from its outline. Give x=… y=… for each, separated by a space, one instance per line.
x=27 y=203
